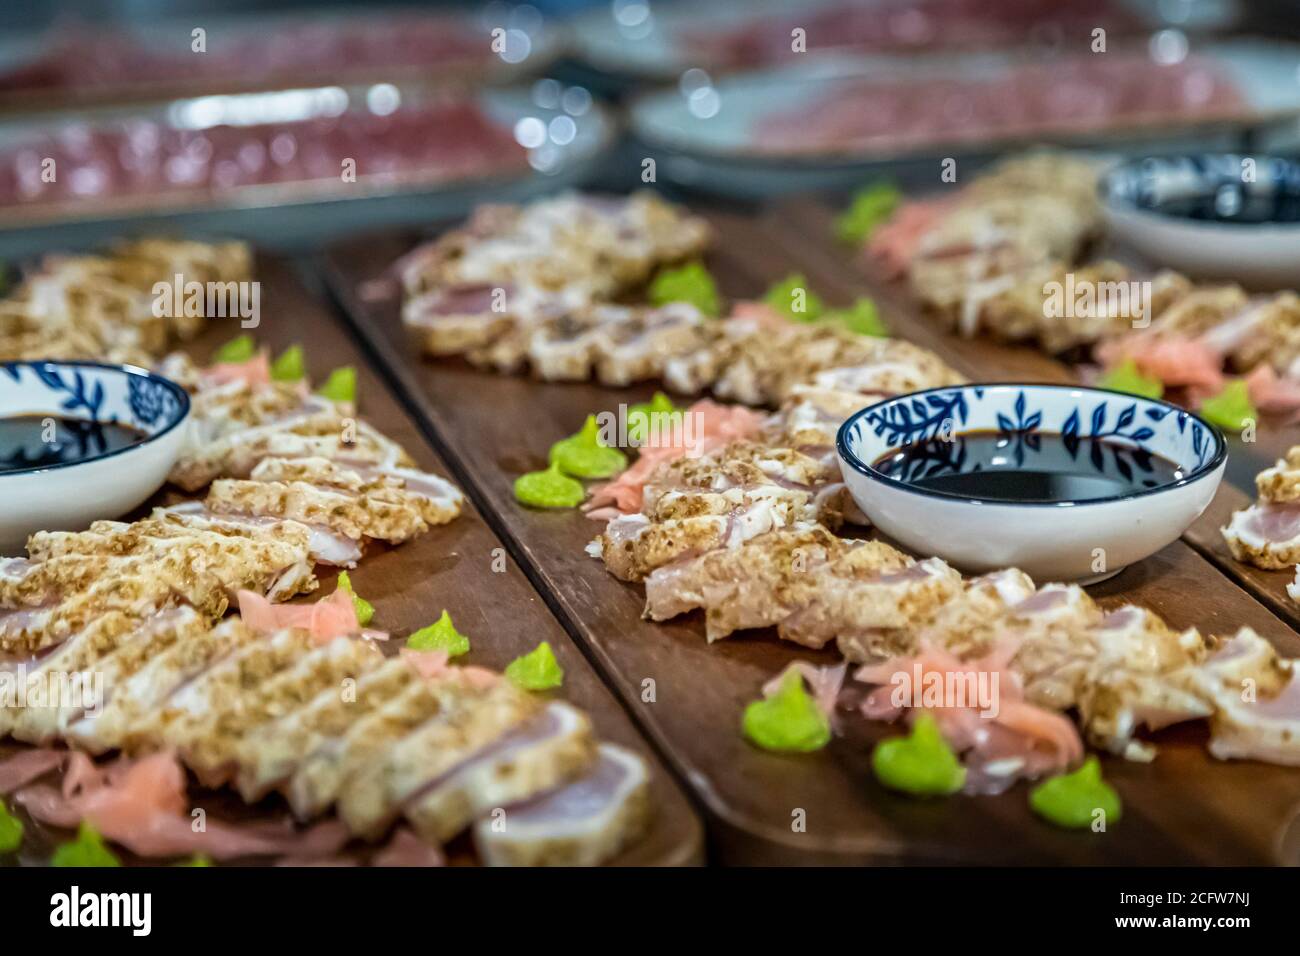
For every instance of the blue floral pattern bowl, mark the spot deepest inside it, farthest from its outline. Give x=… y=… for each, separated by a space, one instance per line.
x=1060 y=540
x=1212 y=215
x=95 y=484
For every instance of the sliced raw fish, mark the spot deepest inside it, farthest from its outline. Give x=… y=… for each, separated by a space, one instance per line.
x=757 y=584
x=1256 y=701
x=870 y=598
x=1267 y=534
x=583 y=823
x=547 y=752
x=325 y=545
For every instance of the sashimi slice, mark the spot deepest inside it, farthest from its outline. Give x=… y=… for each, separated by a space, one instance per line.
x=1267 y=534
x=325 y=545
x=581 y=824
x=1255 y=697
x=545 y=752
x=1235 y=331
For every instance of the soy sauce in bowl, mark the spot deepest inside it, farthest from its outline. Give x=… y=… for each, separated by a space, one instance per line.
x=1232 y=203
x=45 y=441
x=1039 y=467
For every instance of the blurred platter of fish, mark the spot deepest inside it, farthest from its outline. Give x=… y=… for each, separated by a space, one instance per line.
x=344 y=157
x=658 y=41
x=829 y=121
x=75 y=63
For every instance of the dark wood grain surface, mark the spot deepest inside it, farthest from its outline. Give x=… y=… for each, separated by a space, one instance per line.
x=1185 y=807
x=451 y=567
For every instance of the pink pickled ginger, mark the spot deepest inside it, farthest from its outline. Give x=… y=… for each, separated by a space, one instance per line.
x=715 y=426
x=895 y=243
x=25 y=766
x=760 y=313
x=326 y=619
x=407 y=849
x=824 y=683
x=428 y=664
x=254 y=372
x=1001 y=738
x=1270 y=392
x=1174 y=360
x=142 y=806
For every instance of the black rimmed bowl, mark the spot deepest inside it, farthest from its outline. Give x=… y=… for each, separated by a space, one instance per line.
x=89 y=478
x=1215 y=215
x=1051 y=428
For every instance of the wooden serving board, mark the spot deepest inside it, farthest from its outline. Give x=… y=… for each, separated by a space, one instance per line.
x=803 y=231
x=688 y=696
x=450 y=567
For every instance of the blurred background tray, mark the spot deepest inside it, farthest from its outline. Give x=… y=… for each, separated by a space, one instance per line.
x=73 y=61
x=831 y=121
x=658 y=41
x=270 y=165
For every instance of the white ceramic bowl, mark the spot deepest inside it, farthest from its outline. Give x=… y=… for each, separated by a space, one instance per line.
x=1260 y=255
x=1081 y=540
x=70 y=495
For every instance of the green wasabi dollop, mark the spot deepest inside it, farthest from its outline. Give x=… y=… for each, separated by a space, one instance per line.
x=1126 y=377
x=87 y=849
x=549 y=489
x=341 y=385
x=290 y=365
x=1073 y=800
x=11 y=830
x=871 y=206
x=536 y=670
x=689 y=283
x=239 y=349
x=921 y=763
x=789 y=721
x=793 y=299
x=641 y=415
x=1231 y=409
x=365 y=610
x=441 y=635
x=861 y=317
x=583 y=456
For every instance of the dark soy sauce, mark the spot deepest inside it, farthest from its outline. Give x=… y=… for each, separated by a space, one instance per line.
x=1028 y=466
x=1234 y=203
x=25 y=440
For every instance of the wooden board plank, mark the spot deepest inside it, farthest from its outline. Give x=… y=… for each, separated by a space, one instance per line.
x=802 y=231
x=1183 y=808
x=450 y=567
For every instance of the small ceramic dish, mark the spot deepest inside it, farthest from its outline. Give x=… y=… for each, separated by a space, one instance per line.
x=1213 y=216
x=81 y=441
x=1077 y=483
